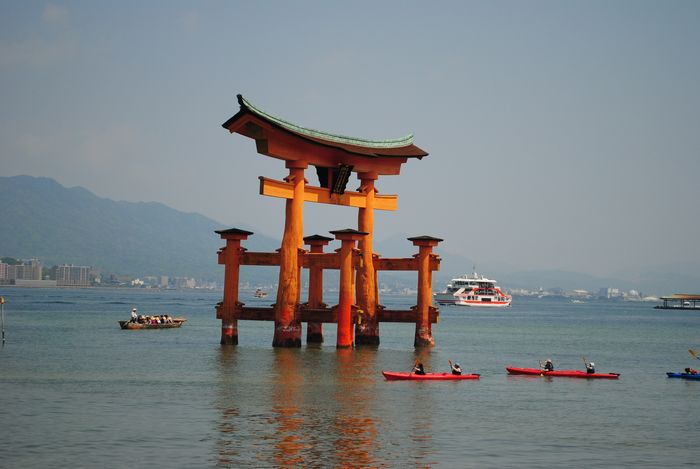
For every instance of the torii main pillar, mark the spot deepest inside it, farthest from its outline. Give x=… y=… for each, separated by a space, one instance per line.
x=287 y=327
x=367 y=332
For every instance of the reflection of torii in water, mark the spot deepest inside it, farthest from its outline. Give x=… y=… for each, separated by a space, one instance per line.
x=334 y=157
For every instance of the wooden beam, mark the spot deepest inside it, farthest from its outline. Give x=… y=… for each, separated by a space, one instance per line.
x=318 y=315
x=326 y=260
x=329 y=315
x=405 y=315
x=321 y=195
x=403 y=263
x=253 y=313
x=331 y=260
x=260 y=258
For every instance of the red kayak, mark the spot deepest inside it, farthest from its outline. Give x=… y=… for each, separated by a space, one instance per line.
x=404 y=375
x=564 y=373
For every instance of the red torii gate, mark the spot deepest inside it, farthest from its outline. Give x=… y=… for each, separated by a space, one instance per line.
x=334 y=158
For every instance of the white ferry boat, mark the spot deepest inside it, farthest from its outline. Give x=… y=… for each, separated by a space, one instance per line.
x=474 y=290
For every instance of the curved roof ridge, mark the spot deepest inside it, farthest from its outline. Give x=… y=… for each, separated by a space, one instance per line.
x=361 y=142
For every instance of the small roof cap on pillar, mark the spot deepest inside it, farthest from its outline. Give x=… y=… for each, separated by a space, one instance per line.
x=348 y=233
x=233 y=233
x=425 y=240
x=317 y=239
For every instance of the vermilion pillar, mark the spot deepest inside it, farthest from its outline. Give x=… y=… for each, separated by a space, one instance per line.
x=347 y=238
x=314 y=330
x=424 y=333
x=231 y=258
x=367 y=332
x=287 y=326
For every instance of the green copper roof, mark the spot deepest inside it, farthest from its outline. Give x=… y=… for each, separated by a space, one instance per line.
x=391 y=143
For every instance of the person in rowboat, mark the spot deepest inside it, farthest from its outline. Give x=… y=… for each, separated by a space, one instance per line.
x=134 y=315
x=418 y=369
x=548 y=365
x=590 y=368
x=456 y=369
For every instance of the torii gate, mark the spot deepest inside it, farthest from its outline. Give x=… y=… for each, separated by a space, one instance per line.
x=334 y=158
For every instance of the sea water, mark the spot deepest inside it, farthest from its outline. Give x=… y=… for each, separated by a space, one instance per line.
x=77 y=391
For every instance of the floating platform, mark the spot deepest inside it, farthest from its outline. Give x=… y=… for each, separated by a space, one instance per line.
x=680 y=301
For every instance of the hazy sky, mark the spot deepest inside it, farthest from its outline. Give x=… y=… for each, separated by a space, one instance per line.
x=561 y=134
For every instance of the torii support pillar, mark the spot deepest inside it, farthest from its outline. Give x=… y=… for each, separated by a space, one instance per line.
x=230 y=305
x=367 y=331
x=346 y=296
x=424 y=333
x=314 y=330
x=287 y=326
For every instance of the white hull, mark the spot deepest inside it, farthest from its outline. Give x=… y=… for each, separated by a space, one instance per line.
x=477 y=291
x=480 y=303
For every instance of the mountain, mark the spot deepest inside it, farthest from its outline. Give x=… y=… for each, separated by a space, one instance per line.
x=42 y=219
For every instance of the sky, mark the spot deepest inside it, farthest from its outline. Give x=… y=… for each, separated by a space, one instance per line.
x=562 y=135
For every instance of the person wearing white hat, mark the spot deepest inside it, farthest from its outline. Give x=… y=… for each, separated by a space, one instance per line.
x=548 y=365
x=134 y=315
x=590 y=368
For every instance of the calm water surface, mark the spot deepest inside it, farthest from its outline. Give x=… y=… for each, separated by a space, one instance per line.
x=76 y=391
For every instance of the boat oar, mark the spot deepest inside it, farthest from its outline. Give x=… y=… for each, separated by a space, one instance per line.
x=414 y=366
x=2 y=318
x=585 y=362
x=693 y=353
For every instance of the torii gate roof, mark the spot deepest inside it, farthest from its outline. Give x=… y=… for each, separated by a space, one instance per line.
x=285 y=140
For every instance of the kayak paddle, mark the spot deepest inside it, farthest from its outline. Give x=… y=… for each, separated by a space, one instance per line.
x=693 y=353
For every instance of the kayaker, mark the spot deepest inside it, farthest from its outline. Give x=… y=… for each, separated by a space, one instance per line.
x=548 y=365
x=456 y=369
x=134 y=315
x=590 y=368
x=418 y=369
x=691 y=371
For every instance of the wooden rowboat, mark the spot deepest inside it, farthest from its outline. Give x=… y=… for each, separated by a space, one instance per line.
x=128 y=325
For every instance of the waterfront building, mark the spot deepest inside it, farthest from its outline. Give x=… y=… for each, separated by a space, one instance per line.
x=72 y=275
x=27 y=270
x=609 y=293
x=184 y=282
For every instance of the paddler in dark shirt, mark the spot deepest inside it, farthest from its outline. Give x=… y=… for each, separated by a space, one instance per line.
x=418 y=369
x=456 y=369
x=548 y=365
x=590 y=368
